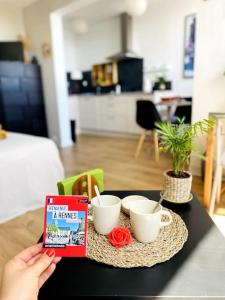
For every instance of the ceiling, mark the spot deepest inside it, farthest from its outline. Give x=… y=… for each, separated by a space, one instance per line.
x=100 y=10
x=17 y=3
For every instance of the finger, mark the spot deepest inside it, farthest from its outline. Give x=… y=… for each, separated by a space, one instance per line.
x=28 y=253
x=57 y=259
x=43 y=262
x=35 y=258
x=46 y=274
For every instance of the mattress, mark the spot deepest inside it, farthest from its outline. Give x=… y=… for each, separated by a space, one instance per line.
x=30 y=168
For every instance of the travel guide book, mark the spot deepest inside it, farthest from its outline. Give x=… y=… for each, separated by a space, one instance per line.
x=65 y=225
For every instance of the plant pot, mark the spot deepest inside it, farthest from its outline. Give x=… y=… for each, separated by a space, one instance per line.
x=162 y=86
x=175 y=189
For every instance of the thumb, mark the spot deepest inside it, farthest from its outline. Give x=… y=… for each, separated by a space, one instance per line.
x=44 y=261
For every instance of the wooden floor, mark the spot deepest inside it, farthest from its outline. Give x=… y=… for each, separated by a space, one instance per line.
x=116 y=157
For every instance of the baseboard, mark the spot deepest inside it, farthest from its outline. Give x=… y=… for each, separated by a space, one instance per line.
x=109 y=133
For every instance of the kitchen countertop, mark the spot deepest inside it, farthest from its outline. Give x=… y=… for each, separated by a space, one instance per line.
x=113 y=94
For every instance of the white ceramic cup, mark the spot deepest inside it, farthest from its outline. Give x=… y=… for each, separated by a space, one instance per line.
x=129 y=199
x=145 y=224
x=105 y=217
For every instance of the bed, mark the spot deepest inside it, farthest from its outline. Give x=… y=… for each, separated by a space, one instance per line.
x=30 y=167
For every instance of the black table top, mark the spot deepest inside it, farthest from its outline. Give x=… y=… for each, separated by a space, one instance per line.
x=76 y=277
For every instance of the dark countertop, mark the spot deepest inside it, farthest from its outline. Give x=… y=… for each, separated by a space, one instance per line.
x=197 y=270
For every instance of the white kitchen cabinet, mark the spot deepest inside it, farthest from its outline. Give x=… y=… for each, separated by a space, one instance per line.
x=109 y=113
x=112 y=114
x=114 y=123
x=87 y=112
x=133 y=128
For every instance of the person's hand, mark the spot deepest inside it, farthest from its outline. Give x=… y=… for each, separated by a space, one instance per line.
x=24 y=275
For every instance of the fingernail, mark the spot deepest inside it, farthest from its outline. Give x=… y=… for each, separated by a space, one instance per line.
x=50 y=252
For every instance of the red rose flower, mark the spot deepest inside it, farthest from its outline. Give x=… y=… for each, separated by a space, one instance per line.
x=119 y=237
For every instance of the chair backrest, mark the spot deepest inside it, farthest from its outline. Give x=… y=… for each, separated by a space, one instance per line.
x=146 y=114
x=82 y=184
x=184 y=111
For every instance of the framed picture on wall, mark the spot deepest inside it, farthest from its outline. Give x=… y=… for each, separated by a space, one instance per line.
x=189 y=46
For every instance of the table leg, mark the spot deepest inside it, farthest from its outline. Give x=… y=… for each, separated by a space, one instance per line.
x=209 y=167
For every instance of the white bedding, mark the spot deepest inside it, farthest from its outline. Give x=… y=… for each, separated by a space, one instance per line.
x=29 y=169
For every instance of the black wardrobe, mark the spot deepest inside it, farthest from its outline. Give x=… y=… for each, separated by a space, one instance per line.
x=21 y=98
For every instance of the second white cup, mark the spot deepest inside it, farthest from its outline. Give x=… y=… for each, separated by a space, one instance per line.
x=145 y=224
x=105 y=217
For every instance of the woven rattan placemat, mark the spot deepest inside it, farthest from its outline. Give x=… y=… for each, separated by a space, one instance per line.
x=170 y=241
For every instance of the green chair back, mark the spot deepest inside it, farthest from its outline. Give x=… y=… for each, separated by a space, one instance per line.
x=82 y=184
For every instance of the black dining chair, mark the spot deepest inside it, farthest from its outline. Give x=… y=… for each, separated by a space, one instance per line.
x=146 y=116
x=183 y=112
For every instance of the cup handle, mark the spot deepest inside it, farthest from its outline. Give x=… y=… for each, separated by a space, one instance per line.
x=166 y=223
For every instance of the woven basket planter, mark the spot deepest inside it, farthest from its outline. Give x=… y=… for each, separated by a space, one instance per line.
x=177 y=189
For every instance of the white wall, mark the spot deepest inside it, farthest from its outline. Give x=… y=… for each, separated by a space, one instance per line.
x=61 y=92
x=159 y=38
x=209 y=84
x=11 y=23
x=101 y=41
x=70 y=47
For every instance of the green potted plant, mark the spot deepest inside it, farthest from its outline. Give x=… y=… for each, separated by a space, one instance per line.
x=178 y=139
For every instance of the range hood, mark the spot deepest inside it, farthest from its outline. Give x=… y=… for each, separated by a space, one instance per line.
x=126 y=39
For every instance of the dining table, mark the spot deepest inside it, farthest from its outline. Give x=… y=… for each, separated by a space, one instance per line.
x=171 y=105
x=197 y=270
